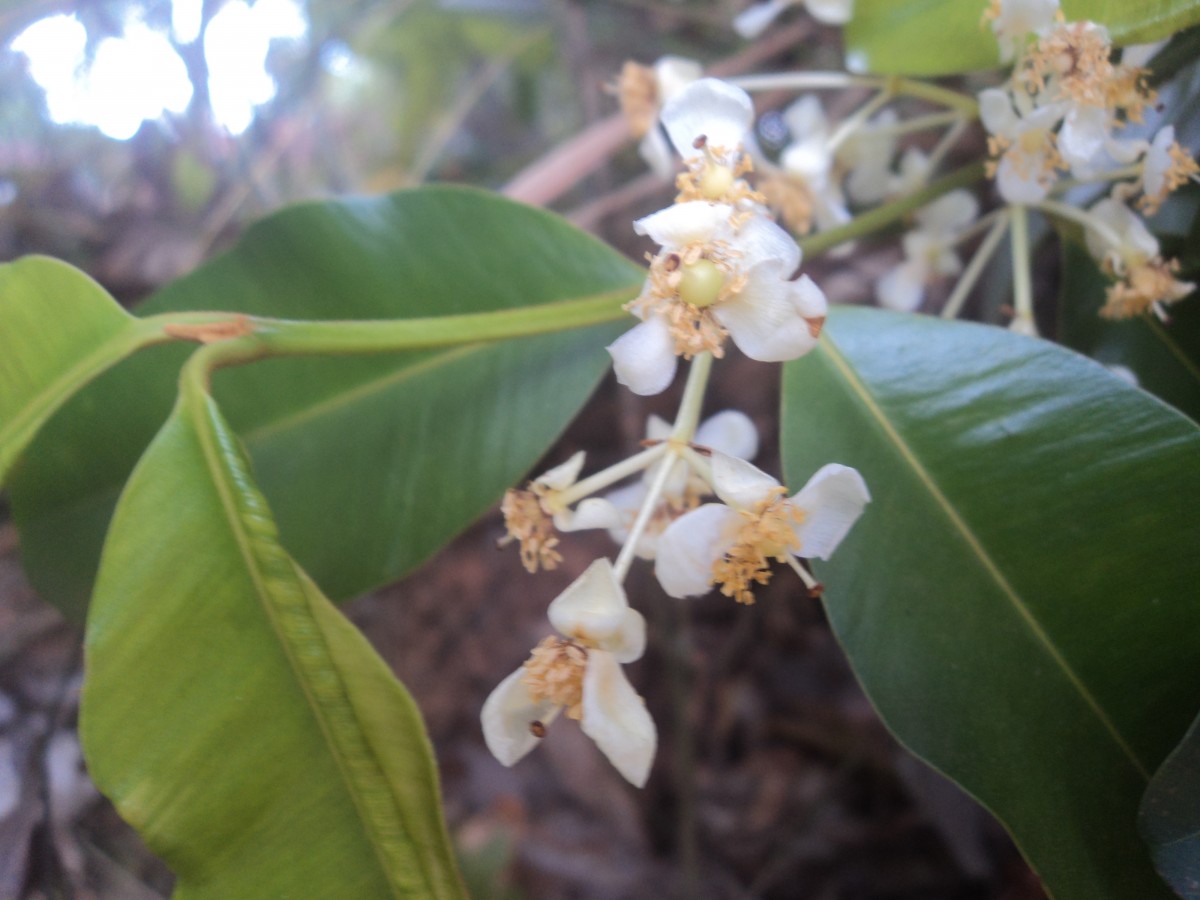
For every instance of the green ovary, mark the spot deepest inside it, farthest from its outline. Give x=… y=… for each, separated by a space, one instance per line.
x=701 y=283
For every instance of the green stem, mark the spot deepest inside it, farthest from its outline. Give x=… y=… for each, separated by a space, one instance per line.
x=629 y=548
x=905 y=87
x=975 y=267
x=688 y=416
x=614 y=473
x=1022 y=274
x=882 y=216
x=282 y=337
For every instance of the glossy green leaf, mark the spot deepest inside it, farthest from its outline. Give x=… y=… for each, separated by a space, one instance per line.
x=59 y=330
x=417 y=444
x=942 y=37
x=231 y=713
x=1170 y=816
x=1164 y=356
x=1019 y=598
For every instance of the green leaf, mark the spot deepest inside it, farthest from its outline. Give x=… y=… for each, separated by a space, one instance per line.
x=232 y=714
x=1170 y=816
x=1165 y=357
x=1019 y=599
x=417 y=444
x=60 y=329
x=942 y=37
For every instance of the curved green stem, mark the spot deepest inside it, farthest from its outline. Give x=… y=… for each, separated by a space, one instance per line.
x=232 y=339
x=882 y=216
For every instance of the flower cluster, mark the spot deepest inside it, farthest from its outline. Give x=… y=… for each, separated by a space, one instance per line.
x=724 y=269
x=690 y=501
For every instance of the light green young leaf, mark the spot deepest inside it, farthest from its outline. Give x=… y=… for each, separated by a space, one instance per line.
x=417 y=444
x=232 y=714
x=59 y=330
x=1169 y=818
x=1019 y=598
x=942 y=37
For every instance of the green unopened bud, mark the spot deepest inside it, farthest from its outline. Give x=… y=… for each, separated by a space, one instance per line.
x=701 y=283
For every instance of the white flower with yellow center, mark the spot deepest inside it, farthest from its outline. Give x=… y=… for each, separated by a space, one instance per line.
x=1023 y=143
x=707 y=122
x=928 y=251
x=716 y=277
x=732 y=544
x=1166 y=167
x=579 y=672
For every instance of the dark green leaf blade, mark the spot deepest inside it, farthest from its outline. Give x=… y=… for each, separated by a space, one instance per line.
x=1169 y=818
x=59 y=330
x=234 y=717
x=1018 y=599
x=943 y=37
x=420 y=444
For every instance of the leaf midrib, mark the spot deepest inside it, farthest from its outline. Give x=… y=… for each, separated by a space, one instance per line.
x=232 y=515
x=859 y=389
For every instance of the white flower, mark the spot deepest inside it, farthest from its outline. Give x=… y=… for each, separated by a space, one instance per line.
x=730 y=432
x=1087 y=144
x=928 y=250
x=530 y=514
x=1014 y=21
x=868 y=154
x=809 y=161
x=753 y=20
x=1024 y=140
x=714 y=278
x=1120 y=239
x=580 y=672
x=1166 y=167
x=731 y=544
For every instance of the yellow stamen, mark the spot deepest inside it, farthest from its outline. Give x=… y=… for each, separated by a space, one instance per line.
x=527 y=522
x=554 y=673
x=1182 y=170
x=767 y=532
x=637 y=92
x=792 y=198
x=1142 y=287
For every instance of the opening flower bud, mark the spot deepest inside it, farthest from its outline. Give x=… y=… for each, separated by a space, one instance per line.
x=700 y=283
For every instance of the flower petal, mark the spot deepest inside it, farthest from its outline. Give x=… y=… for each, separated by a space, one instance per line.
x=644 y=357
x=760 y=240
x=616 y=718
x=731 y=432
x=739 y=483
x=720 y=112
x=832 y=501
x=949 y=213
x=594 y=512
x=690 y=545
x=681 y=224
x=753 y=20
x=592 y=608
x=506 y=716
x=831 y=12
x=997 y=113
x=564 y=474
x=903 y=287
x=1016 y=187
x=761 y=319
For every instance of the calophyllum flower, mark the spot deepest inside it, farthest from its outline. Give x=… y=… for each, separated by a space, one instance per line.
x=730 y=432
x=731 y=544
x=1166 y=167
x=1014 y=22
x=716 y=277
x=579 y=672
x=1023 y=143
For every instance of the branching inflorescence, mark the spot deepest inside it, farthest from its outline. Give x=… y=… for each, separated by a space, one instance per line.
x=726 y=271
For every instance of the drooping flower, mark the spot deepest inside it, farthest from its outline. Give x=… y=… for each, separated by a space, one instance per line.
x=579 y=672
x=732 y=544
x=928 y=251
x=1167 y=166
x=1127 y=251
x=716 y=277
